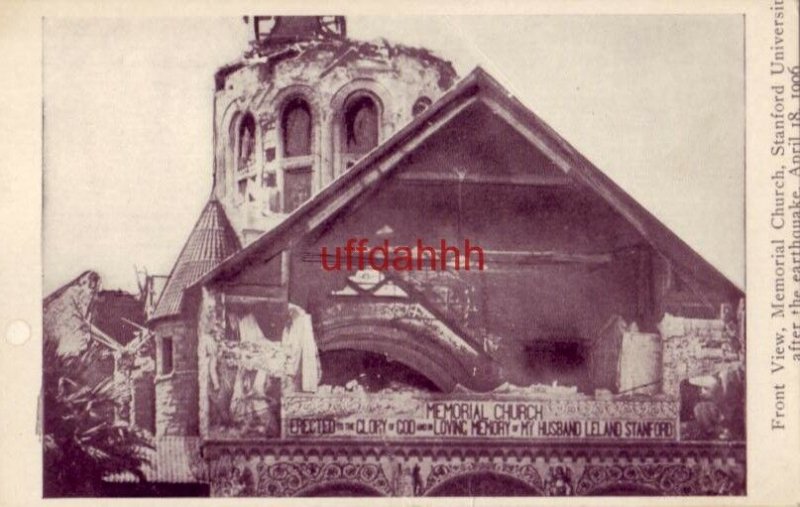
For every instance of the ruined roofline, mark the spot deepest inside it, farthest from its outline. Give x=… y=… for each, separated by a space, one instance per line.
x=481 y=86
x=344 y=49
x=59 y=291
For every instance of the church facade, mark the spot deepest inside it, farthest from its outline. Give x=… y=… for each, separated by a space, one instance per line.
x=537 y=331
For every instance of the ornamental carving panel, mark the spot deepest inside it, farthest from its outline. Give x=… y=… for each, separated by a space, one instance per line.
x=289 y=479
x=662 y=479
x=444 y=472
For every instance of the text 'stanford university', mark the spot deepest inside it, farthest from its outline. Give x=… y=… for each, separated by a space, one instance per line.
x=594 y=353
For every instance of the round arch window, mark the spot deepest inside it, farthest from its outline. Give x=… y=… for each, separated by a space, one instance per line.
x=246 y=141
x=296 y=128
x=361 y=125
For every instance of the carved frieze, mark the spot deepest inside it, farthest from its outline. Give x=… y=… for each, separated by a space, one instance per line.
x=662 y=479
x=289 y=479
x=524 y=472
x=421 y=469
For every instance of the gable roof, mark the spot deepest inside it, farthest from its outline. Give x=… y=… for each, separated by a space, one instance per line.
x=478 y=86
x=212 y=239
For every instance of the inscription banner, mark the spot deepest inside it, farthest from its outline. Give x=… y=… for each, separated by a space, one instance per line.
x=413 y=417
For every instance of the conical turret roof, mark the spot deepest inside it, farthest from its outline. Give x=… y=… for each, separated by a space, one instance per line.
x=212 y=240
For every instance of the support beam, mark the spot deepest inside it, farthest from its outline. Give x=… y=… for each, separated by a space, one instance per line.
x=241 y=299
x=485 y=179
x=518 y=258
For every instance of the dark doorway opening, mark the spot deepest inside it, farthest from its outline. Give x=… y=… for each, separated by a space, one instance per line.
x=373 y=372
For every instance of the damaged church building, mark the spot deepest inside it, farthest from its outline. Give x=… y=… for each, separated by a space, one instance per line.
x=592 y=352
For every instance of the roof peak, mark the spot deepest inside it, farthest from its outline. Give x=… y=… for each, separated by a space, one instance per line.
x=482 y=86
x=211 y=241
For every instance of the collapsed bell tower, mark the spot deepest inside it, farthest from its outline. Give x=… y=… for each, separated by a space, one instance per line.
x=302 y=105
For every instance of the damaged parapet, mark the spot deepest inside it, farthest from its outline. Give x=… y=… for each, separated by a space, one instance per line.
x=696 y=347
x=626 y=360
x=302 y=106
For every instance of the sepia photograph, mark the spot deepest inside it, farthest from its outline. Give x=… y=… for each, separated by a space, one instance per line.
x=407 y=256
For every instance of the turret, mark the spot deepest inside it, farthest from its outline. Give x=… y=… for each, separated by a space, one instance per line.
x=302 y=106
x=211 y=241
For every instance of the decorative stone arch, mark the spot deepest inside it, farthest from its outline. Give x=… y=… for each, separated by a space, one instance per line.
x=293 y=91
x=340 y=488
x=350 y=91
x=231 y=121
x=412 y=348
x=485 y=482
x=282 y=129
x=278 y=103
x=326 y=478
x=272 y=118
x=645 y=479
x=222 y=133
x=624 y=489
x=235 y=125
x=296 y=467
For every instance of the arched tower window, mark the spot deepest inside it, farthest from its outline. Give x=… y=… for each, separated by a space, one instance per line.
x=167 y=356
x=361 y=127
x=296 y=128
x=246 y=141
x=296 y=162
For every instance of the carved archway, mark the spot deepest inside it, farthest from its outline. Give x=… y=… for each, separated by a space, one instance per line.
x=483 y=483
x=374 y=372
x=439 y=365
x=321 y=479
x=358 y=87
x=670 y=479
x=625 y=489
x=337 y=489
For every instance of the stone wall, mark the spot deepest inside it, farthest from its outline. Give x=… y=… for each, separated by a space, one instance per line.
x=176 y=392
x=694 y=347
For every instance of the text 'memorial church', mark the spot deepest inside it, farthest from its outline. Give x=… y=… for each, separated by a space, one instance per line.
x=594 y=354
